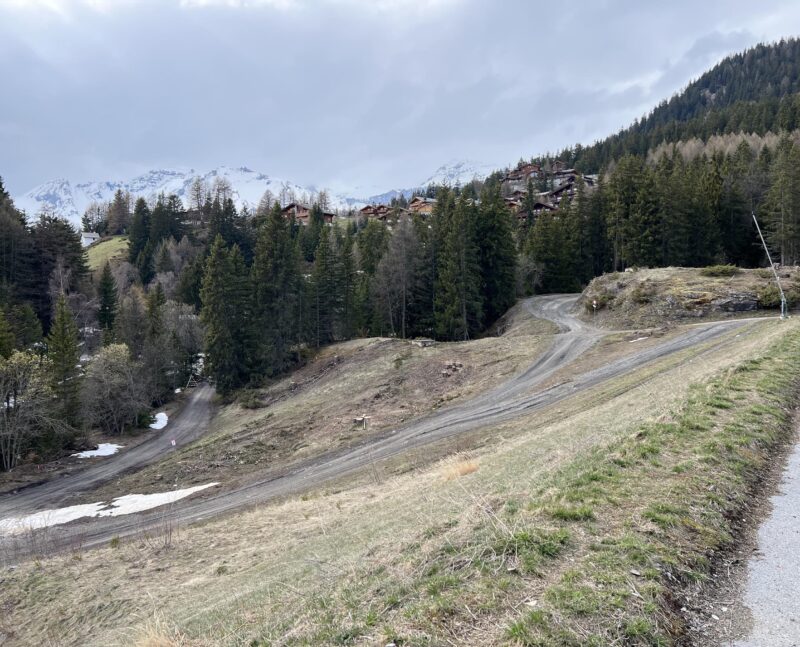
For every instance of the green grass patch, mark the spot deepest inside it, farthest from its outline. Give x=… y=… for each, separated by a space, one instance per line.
x=109 y=250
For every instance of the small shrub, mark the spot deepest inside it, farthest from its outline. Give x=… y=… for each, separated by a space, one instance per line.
x=114 y=543
x=720 y=270
x=251 y=400
x=769 y=297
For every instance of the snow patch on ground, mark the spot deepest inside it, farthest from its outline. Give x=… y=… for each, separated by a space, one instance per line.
x=103 y=449
x=161 y=421
x=127 y=504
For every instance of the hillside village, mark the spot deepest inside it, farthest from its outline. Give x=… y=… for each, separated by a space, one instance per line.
x=548 y=185
x=557 y=182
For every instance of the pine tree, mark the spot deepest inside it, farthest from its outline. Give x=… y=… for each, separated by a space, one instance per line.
x=107 y=294
x=62 y=350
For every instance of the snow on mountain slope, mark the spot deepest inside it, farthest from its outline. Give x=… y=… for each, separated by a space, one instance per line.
x=71 y=200
x=454 y=173
x=460 y=173
x=68 y=200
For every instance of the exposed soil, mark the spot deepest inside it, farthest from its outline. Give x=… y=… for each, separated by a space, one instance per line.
x=650 y=297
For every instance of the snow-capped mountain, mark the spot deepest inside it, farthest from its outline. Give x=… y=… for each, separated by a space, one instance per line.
x=454 y=173
x=459 y=173
x=70 y=201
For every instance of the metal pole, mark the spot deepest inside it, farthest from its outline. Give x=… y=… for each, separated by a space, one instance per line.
x=772 y=267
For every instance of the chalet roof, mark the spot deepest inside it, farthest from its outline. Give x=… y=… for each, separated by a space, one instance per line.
x=296 y=205
x=419 y=198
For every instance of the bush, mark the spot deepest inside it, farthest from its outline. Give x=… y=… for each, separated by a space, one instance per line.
x=720 y=270
x=769 y=297
x=251 y=399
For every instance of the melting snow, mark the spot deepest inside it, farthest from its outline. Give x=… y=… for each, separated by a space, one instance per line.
x=161 y=421
x=121 y=505
x=103 y=449
x=638 y=339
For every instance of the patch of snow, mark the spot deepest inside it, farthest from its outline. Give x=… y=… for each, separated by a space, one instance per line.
x=638 y=339
x=131 y=503
x=178 y=390
x=103 y=449
x=127 y=504
x=161 y=421
x=16 y=525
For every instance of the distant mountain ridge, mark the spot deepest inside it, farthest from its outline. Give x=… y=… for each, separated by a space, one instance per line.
x=70 y=200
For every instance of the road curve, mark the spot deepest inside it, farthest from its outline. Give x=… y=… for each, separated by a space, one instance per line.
x=512 y=399
x=186 y=427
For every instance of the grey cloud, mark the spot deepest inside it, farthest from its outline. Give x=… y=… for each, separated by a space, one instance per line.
x=338 y=92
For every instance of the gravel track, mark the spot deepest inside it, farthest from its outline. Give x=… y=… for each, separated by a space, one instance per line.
x=510 y=400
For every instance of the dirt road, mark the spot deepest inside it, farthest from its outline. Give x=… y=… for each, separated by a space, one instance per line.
x=514 y=398
x=189 y=425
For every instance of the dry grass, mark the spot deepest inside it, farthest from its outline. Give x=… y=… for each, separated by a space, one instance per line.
x=359 y=566
x=458 y=466
x=314 y=410
x=650 y=297
x=156 y=632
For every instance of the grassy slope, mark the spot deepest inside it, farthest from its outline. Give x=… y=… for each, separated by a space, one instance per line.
x=113 y=248
x=576 y=530
x=651 y=297
x=313 y=409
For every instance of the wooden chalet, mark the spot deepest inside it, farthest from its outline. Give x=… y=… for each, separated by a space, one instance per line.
x=423 y=206
x=301 y=213
x=376 y=211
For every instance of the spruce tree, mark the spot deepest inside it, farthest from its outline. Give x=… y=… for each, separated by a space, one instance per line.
x=139 y=231
x=323 y=281
x=26 y=326
x=107 y=294
x=276 y=285
x=496 y=256
x=227 y=315
x=7 y=340
x=62 y=350
x=459 y=308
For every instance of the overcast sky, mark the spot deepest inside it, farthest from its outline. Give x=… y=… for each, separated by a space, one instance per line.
x=347 y=94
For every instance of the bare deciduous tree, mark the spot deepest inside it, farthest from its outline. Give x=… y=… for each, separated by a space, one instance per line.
x=113 y=394
x=25 y=405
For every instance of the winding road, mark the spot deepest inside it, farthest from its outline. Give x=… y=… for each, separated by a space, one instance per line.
x=512 y=399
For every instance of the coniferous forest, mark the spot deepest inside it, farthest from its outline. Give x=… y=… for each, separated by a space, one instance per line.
x=256 y=292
